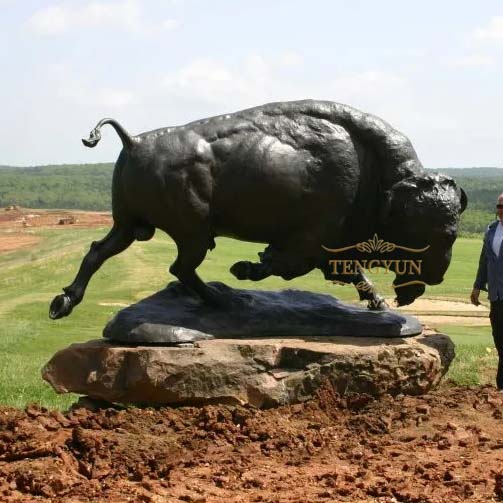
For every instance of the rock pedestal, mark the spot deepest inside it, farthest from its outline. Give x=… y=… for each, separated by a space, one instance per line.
x=263 y=372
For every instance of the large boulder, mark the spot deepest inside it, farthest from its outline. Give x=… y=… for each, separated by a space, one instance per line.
x=263 y=372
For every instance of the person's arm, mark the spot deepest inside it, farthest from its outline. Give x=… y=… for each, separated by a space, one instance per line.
x=481 y=279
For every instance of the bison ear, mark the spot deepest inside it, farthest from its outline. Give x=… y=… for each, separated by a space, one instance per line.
x=463 y=200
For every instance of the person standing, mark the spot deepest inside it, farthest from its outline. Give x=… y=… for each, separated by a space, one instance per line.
x=490 y=278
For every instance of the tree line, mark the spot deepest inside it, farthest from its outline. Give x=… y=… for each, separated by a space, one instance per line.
x=88 y=187
x=482 y=186
x=71 y=186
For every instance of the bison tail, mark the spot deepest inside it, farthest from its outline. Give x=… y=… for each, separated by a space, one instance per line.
x=95 y=134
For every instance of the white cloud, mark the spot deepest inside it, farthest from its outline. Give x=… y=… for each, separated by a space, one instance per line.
x=49 y=21
x=169 y=24
x=70 y=86
x=475 y=61
x=206 y=78
x=114 y=98
x=216 y=85
x=215 y=82
x=492 y=31
x=368 y=87
x=290 y=59
x=124 y=15
x=383 y=93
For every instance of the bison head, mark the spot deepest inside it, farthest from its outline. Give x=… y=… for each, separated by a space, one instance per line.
x=422 y=211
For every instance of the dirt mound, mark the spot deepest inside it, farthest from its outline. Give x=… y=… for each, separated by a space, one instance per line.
x=15 y=218
x=445 y=446
x=16 y=224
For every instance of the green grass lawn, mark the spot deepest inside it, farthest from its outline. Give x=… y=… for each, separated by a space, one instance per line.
x=29 y=279
x=459 y=279
x=476 y=358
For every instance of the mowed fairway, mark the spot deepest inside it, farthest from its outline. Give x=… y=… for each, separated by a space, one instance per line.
x=31 y=277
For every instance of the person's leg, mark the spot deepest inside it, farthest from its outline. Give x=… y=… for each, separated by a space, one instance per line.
x=496 y=317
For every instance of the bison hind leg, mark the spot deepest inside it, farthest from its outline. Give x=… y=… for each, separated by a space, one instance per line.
x=273 y=262
x=191 y=253
x=254 y=271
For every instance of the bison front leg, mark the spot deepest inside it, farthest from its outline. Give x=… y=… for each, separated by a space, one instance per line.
x=254 y=271
x=367 y=291
x=117 y=240
x=191 y=253
x=275 y=261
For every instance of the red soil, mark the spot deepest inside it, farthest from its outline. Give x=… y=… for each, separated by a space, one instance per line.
x=16 y=222
x=15 y=241
x=445 y=446
x=24 y=218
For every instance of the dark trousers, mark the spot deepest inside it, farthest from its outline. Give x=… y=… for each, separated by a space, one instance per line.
x=496 y=317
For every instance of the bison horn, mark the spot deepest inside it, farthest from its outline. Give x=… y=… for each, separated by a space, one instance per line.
x=463 y=200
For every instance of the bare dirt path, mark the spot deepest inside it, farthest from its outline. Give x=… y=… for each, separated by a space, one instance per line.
x=445 y=446
x=433 y=312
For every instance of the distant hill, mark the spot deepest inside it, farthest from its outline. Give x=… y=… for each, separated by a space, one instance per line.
x=482 y=186
x=88 y=187
x=472 y=172
x=79 y=186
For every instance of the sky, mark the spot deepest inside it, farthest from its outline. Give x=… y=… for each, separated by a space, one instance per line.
x=432 y=69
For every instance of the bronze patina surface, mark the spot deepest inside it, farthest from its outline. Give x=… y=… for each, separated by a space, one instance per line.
x=302 y=177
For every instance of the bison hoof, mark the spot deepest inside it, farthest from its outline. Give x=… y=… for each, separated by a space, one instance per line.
x=242 y=270
x=378 y=304
x=250 y=270
x=61 y=306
